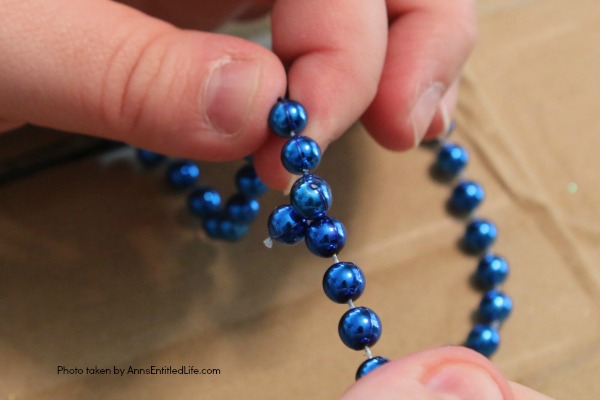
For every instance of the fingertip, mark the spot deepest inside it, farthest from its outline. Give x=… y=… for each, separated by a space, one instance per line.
x=219 y=110
x=429 y=42
x=434 y=374
x=334 y=51
x=442 y=121
x=267 y=162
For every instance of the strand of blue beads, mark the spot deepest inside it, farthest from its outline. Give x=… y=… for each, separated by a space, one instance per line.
x=305 y=218
x=480 y=234
x=229 y=222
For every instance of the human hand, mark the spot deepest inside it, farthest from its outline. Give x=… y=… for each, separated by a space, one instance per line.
x=106 y=69
x=446 y=373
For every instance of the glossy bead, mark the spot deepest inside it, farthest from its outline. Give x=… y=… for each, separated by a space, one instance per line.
x=232 y=231
x=359 y=327
x=495 y=306
x=451 y=159
x=248 y=182
x=219 y=227
x=212 y=227
x=492 y=270
x=325 y=237
x=479 y=235
x=149 y=158
x=484 y=339
x=300 y=154
x=370 y=365
x=287 y=117
x=286 y=225
x=343 y=281
x=241 y=208
x=204 y=201
x=311 y=196
x=466 y=196
x=182 y=174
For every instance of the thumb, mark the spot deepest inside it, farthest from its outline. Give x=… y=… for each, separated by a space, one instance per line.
x=102 y=68
x=445 y=373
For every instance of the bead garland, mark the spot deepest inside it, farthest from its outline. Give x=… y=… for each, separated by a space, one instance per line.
x=305 y=218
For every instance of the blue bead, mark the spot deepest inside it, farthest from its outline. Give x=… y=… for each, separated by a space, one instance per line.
x=182 y=174
x=149 y=158
x=300 y=154
x=483 y=339
x=248 y=182
x=466 y=196
x=311 y=196
x=241 y=208
x=359 y=327
x=287 y=117
x=492 y=270
x=451 y=159
x=343 y=281
x=204 y=201
x=286 y=225
x=479 y=235
x=325 y=237
x=219 y=227
x=232 y=231
x=212 y=227
x=495 y=306
x=370 y=365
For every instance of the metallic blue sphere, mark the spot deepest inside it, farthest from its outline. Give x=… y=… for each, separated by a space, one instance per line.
x=311 y=196
x=182 y=174
x=483 y=339
x=359 y=327
x=479 y=235
x=343 y=281
x=325 y=237
x=232 y=231
x=149 y=158
x=248 y=182
x=287 y=118
x=212 y=227
x=242 y=209
x=286 y=225
x=466 y=196
x=370 y=365
x=495 y=306
x=451 y=159
x=219 y=227
x=300 y=154
x=492 y=270
x=204 y=201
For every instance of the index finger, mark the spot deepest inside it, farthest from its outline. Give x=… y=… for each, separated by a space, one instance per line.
x=334 y=52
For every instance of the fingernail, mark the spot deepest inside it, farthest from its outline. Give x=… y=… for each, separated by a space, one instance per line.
x=425 y=108
x=464 y=382
x=446 y=118
x=229 y=93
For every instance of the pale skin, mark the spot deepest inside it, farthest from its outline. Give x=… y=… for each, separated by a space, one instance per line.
x=146 y=72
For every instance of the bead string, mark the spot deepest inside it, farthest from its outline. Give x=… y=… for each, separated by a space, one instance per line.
x=305 y=218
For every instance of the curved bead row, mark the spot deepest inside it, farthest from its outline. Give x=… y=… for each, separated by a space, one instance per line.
x=305 y=218
x=229 y=221
x=480 y=235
